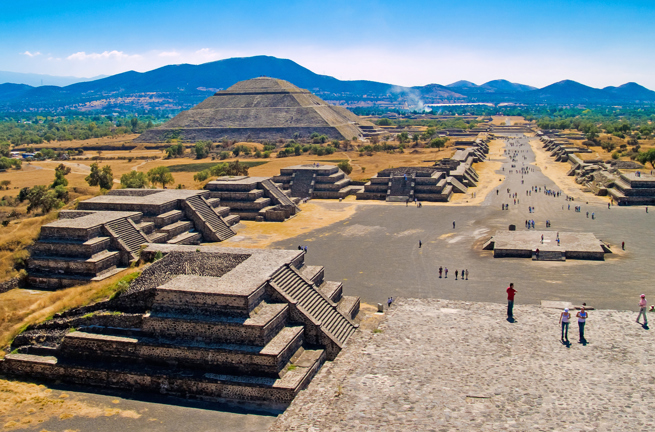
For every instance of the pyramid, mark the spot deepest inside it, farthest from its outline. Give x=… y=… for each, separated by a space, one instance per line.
x=260 y=109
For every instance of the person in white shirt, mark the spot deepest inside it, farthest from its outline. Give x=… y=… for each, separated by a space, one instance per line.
x=564 y=319
x=582 y=319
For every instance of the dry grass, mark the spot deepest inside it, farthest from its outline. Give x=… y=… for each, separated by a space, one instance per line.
x=117 y=142
x=26 y=405
x=20 y=308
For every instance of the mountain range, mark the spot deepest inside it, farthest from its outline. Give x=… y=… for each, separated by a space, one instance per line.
x=181 y=86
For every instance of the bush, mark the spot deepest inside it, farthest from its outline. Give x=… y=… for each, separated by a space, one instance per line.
x=345 y=167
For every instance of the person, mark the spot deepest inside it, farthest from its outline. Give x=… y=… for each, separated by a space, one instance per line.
x=623 y=245
x=419 y=244
x=510 y=300
x=536 y=253
x=389 y=301
x=564 y=319
x=440 y=271
x=608 y=206
x=582 y=319
x=305 y=249
x=446 y=272
x=642 y=309
x=467 y=274
x=456 y=272
x=453 y=224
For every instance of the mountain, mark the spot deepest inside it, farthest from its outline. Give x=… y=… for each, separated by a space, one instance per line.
x=569 y=91
x=504 y=86
x=462 y=84
x=631 y=91
x=35 y=80
x=176 y=87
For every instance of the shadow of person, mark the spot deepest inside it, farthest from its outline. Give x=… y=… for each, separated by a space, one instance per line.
x=566 y=343
x=511 y=320
x=584 y=342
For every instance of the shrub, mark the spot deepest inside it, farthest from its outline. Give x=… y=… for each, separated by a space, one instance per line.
x=345 y=167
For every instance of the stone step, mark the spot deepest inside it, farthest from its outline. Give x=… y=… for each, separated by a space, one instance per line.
x=349 y=306
x=168 y=218
x=262 y=324
x=222 y=211
x=72 y=248
x=313 y=273
x=176 y=228
x=71 y=265
x=332 y=290
x=232 y=219
x=158 y=237
x=146 y=227
x=225 y=358
x=53 y=281
x=170 y=381
x=214 y=202
x=186 y=238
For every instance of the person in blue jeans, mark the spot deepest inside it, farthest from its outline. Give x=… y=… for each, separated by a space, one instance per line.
x=564 y=319
x=582 y=319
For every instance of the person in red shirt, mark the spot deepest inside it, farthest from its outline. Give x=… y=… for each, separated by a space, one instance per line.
x=510 y=300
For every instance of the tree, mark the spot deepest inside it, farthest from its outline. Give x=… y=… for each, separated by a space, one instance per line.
x=102 y=177
x=60 y=176
x=402 y=137
x=4 y=184
x=345 y=167
x=647 y=157
x=201 y=176
x=134 y=180
x=41 y=197
x=202 y=148
x=135 y=124
x=438 y=143
x=160 y=174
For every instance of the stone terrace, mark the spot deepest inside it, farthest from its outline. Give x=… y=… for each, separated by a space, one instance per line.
x=316 y=181
x=254 y=198
x=206 y=322
x=106 y=233
x=443 y=365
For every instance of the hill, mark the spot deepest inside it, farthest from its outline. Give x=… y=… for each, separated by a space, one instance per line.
x=181 y=86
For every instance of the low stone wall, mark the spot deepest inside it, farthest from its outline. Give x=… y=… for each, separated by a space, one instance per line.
x=10 y=284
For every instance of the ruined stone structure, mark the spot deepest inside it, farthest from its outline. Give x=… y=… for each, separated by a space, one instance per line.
x=106 y=233
x=316 y=181
x=208 y=322
x=436 y=183
x=525 y=244
x=254 y=198
x=605 y=178
x=261 y=109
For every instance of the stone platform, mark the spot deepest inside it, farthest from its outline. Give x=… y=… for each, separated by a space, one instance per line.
x=438 y=365
x=212 y=323
x=524 y=244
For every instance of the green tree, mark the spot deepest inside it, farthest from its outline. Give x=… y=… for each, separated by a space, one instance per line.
x=647 y=157
x=202 y=148
x=345 y=167
x=60 y=176
x=135 y=124
x=102 y=177
x=402 y=137
x=40 y=197
x=160 y=174
x=134 y=180
x=201 y=176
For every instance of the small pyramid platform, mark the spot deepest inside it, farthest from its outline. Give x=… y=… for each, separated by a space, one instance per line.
x=260 y=109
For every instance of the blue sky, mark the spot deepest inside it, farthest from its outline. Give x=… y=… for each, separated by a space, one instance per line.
x=598 y=43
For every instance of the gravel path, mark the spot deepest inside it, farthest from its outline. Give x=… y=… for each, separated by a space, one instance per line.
x=437 y=365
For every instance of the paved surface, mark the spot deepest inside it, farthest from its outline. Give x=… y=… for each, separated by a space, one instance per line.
x=376 y=255
x=448 y=365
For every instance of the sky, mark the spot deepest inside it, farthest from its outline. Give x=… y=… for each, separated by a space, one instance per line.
x=413 y=42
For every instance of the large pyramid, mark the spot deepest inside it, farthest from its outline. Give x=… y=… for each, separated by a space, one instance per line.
x=260 y=109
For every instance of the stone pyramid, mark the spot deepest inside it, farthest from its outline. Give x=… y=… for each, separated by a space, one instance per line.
x=260 y=109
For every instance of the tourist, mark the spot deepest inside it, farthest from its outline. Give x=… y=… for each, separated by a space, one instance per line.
x=642 y=309
x=582 y=318
x=623 y=245
x=440 y=271
x=389 y=301
x=608 y=206
x=564 y=319
x=453 y=224
x=510 y=300
x=419 y=244
x=467 y=274
x=445 y=273
x=456 y=272
x=305 y=249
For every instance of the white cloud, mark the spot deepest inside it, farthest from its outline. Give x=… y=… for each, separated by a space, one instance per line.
x=169 y=54
x=118 y=55
x=30 y=54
